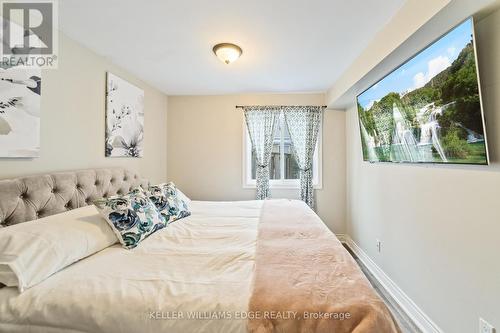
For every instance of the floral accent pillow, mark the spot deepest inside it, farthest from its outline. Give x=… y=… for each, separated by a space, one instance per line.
x=168 y=201
x=133 y=217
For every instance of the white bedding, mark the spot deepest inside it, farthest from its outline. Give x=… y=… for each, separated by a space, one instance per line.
x=201 y=265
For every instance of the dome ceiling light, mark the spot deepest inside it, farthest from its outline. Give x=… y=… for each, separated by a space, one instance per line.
x=227 y=52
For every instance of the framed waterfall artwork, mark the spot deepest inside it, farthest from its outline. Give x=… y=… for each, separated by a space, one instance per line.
x=428 y=110
x=20 y=91
x=124 y=118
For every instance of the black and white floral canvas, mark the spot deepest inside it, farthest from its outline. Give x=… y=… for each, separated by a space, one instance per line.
x=124 y=118
x=20 y=90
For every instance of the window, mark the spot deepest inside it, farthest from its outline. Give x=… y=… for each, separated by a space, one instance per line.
x=283 y=169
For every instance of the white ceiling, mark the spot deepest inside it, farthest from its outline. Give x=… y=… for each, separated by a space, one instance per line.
x=288 y=45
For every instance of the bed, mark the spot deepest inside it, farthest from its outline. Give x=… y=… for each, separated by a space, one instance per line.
x=245 y=266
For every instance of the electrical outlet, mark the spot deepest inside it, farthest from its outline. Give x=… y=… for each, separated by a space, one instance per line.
x=379 y=245
x=485 y=327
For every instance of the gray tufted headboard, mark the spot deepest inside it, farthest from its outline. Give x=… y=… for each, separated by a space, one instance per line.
x=28 y=198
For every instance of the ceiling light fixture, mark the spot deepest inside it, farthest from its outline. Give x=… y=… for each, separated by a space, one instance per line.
x=227 y=52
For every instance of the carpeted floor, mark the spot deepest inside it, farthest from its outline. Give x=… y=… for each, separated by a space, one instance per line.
x=405 y=323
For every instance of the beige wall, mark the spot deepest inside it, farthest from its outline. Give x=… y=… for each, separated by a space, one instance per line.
x=205 y=136
x=72 y=119
x=439 y=225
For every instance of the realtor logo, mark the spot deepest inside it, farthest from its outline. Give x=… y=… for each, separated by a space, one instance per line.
x=29 y=33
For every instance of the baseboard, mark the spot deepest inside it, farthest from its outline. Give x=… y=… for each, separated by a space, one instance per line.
x=405 y=303
x=342 y=238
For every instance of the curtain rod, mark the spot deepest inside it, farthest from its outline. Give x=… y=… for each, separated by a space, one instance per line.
x=281 y=106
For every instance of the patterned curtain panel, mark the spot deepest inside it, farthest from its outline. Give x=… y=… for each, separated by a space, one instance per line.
x=303 y=123
x=260 y=123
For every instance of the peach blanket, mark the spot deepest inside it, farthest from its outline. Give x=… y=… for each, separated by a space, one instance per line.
x=305 y=281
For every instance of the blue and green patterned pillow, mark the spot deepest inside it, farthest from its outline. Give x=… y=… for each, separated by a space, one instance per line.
x=168 y=202
x=133 y=217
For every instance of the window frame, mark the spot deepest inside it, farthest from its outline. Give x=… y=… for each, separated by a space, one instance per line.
x=282 y=183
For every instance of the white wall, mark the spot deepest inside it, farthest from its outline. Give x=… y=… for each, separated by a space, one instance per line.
x=399 y=28
x=205 y=150
x=439 y=225
x=72 y=119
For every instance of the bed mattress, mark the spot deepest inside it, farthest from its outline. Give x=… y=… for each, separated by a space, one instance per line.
x=245 y=266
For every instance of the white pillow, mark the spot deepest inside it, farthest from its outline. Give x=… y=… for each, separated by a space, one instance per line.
x=32 y=251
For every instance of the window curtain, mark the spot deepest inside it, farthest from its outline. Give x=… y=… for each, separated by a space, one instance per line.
x=260 y=124
x=303 y=123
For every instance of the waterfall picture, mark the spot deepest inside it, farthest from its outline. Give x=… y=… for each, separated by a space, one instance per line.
x=124 y=118
x=429 y=109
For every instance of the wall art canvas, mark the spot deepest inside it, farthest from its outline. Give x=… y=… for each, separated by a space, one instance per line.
x=124 y=118
x=429 y=109
x=20 y=90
